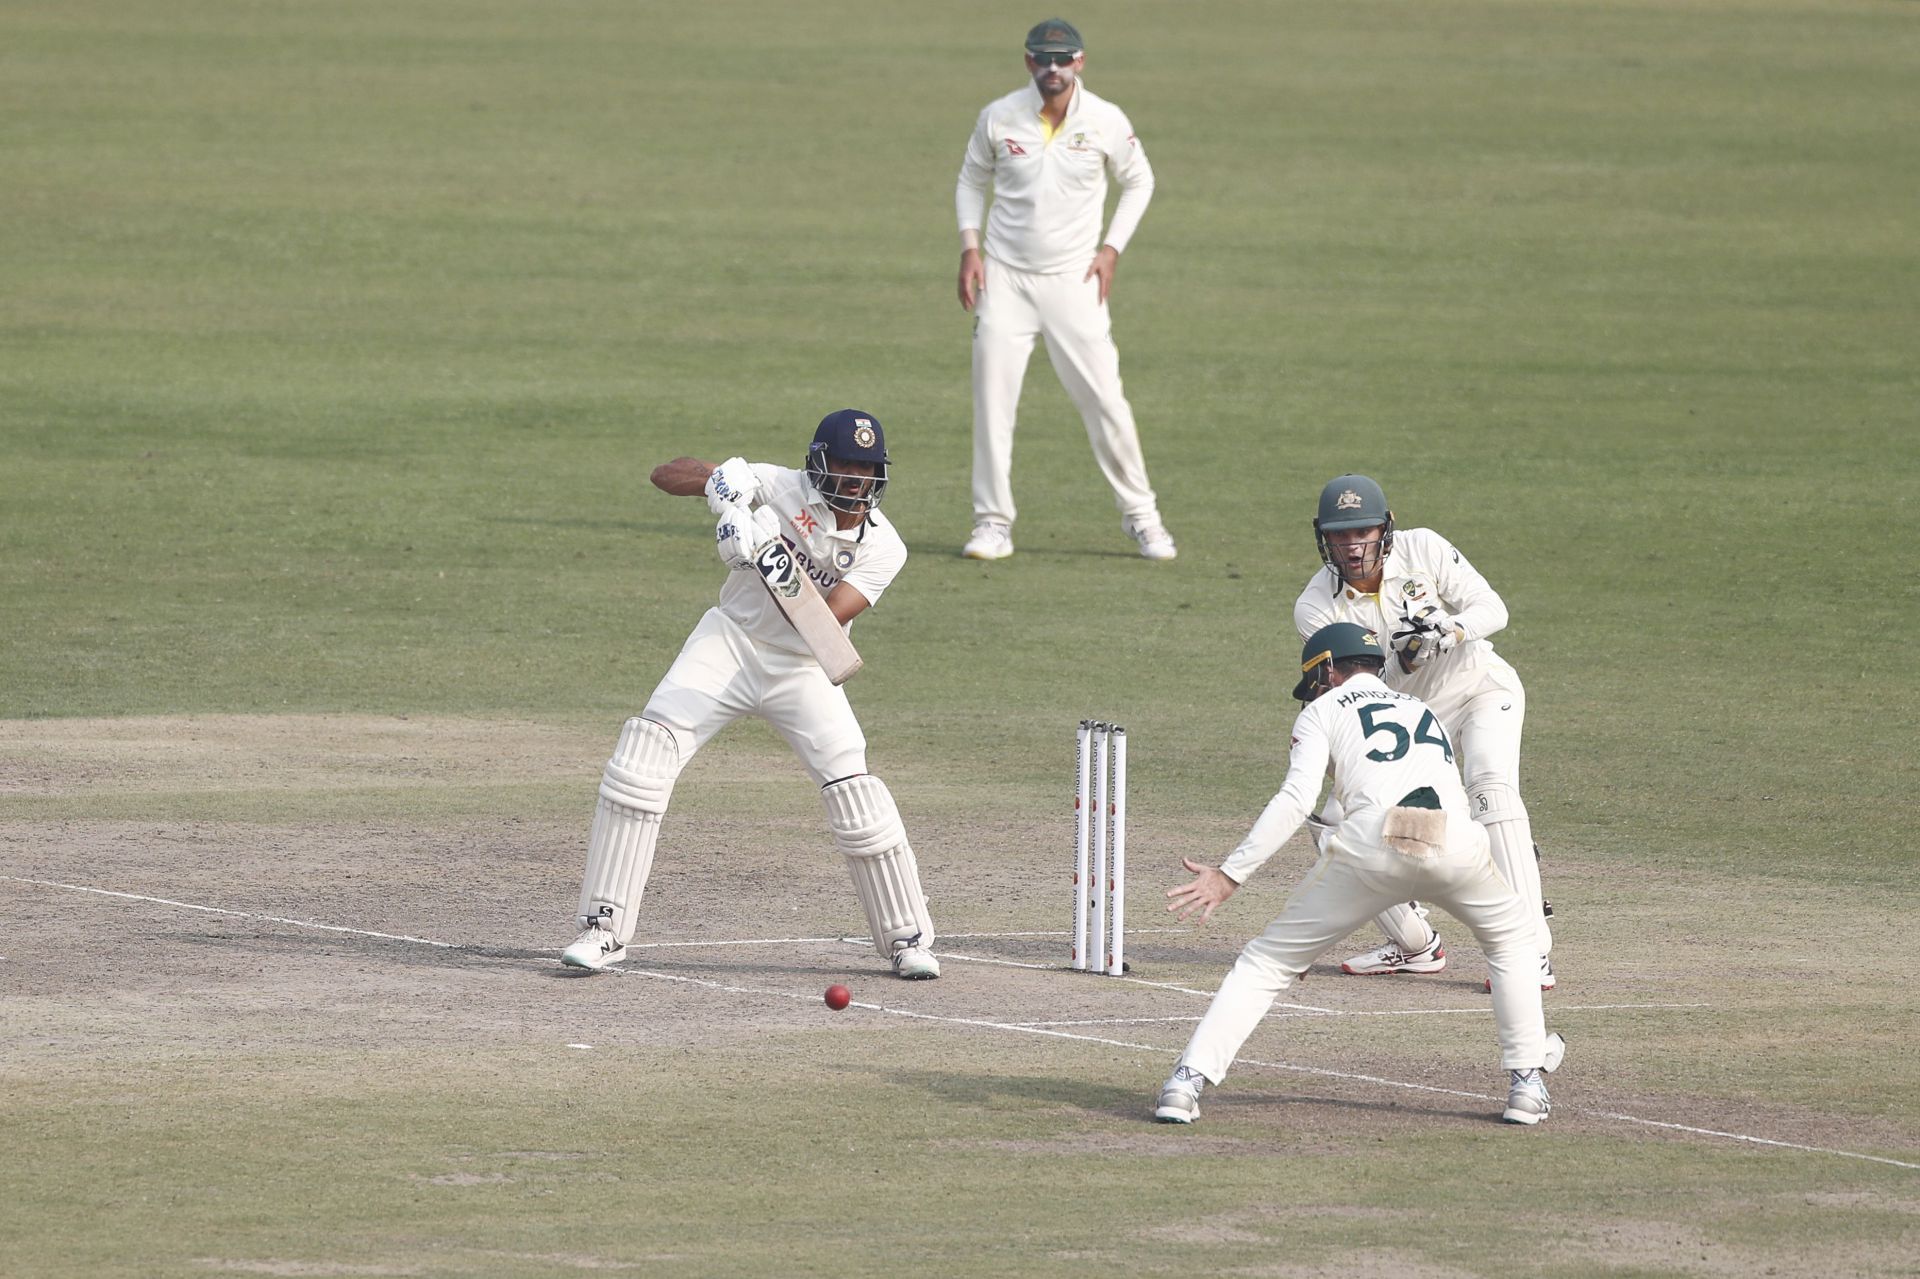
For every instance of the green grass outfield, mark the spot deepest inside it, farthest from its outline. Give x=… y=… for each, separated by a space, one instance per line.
x=336 y=343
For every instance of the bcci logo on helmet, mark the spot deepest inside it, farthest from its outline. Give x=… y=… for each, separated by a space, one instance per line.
x=863 y=435
x=1348 y=501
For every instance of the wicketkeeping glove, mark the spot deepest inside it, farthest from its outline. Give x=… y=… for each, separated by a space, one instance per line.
x=732 y=483
x=741 y=533
x=1423 y=634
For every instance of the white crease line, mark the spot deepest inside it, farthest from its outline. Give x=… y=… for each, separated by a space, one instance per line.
x=1320 y=1071
x=1101 y=1021
x=1014 y=1027
x=237 y=914
x=1486 y=1011
x=748 y=941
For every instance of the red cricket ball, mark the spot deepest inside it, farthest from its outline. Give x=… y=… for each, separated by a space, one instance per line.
x=838 y=997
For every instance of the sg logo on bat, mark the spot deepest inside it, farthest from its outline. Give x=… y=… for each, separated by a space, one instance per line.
x=775 y=563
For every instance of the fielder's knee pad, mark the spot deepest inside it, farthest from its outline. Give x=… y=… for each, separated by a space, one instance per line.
x=867 y=831
x=634 y=790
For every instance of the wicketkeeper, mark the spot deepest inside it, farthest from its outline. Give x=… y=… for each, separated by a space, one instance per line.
x=1416 y=586
x=1404 y=831
x=746 y=658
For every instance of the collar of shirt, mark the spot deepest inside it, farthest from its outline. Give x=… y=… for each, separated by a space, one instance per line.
x=1037 y=101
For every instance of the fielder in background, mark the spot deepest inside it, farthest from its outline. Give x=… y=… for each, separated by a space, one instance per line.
x=1416 y=586
x=744 y=658
x=1043 y=270
x=1404 y=831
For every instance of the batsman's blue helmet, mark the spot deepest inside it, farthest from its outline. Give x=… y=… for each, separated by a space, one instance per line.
x=848 y=435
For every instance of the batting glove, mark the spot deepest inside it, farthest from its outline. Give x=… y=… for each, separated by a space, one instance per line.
x=741 y=533
x=732 y=483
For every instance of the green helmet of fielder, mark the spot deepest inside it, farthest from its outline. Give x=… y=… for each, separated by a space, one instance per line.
x=1331 y=644
x=1351 y=501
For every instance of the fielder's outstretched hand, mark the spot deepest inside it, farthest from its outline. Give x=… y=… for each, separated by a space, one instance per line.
x=1204 y=893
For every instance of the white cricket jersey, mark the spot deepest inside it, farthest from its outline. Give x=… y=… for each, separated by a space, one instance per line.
x=1049 y=193
x=1423 y=568
x=1382 y=745
x=866 y=557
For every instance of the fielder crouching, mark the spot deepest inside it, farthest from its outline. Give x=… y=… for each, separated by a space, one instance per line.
x=746 y=658
x=1405 y=831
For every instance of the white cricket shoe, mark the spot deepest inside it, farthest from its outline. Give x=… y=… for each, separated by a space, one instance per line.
x=1180 y=1099
x=1546 y=975
x=1155 y=542
x=914 y=962
x=593 y=949
x=990 y=541
x=1391 y=959
x=1527 y=1100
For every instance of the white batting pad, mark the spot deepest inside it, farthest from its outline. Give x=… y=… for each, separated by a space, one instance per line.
x=1496 y=802
x=1510 y=840
x=867 y=830
x=634 y=791
x=1405 y=924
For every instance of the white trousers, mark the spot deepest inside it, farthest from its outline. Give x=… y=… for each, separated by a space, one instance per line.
x=721 y=675
x=1015 y=307
x=1486 y=733
x=1347 y=886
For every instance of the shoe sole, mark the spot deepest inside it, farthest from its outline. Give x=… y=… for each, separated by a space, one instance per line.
x=1415 y=970
x=1527 y=1117
x=987 y=556
x=1173 y=1117
x=1556 y=1052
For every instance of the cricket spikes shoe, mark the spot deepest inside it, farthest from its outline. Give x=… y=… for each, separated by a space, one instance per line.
x=1391 y=959
x=593 y=949
x=914 y=962
x=1180 y=1100
x=1155 y=542
x=991 y=540
x=1527 y=1100
x=1546 y=975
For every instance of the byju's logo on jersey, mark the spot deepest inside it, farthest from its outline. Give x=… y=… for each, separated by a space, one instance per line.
x=1348 y=501
x=863 y=435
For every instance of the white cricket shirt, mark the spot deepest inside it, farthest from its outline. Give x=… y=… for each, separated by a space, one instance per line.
x=866 y=557
x=1423 y=568
x=1050 y=192
x=1382 y=745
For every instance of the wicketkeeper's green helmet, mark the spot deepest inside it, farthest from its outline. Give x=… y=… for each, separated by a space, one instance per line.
x=1352 y=501
x=1331 y=644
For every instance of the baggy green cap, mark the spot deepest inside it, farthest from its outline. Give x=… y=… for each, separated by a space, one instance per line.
x=1330 y=644
x=1352 y=501
x=1055 y=35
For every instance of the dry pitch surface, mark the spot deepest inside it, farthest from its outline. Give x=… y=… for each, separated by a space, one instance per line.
x=136 y=945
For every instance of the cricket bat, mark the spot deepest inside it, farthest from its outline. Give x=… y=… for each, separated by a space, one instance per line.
x=801 y=603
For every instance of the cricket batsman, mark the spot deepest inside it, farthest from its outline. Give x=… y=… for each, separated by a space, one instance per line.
x=1416 y=586
x=746 y=658
x=1043 y=269
x=1405 y=830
